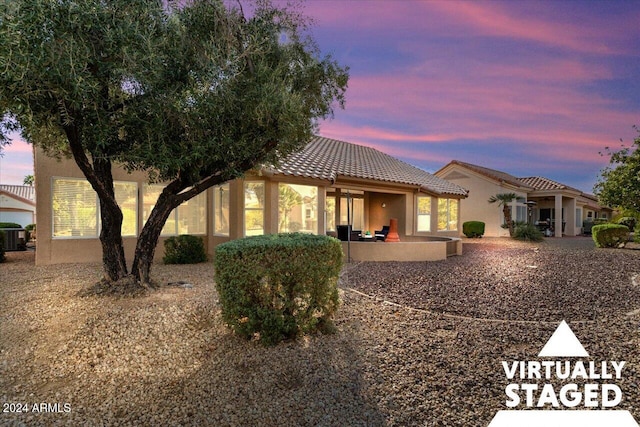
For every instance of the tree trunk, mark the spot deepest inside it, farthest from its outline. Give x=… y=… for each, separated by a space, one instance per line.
x=506 y=211
x=148 y=239
x=113 y=259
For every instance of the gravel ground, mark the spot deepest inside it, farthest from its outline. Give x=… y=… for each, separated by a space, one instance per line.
x=417 y=343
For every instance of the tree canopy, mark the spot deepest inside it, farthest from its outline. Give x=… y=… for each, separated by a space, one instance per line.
x=194 y=93
x=619 y=183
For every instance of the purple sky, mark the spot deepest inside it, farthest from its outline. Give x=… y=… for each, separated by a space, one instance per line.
x=529 y=88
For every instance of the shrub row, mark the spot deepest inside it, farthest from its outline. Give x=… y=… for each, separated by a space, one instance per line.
x=278 y=286
x=609 y=235
x=9 y=225
x=2 y=256
x=473 y=229
x=184 y=249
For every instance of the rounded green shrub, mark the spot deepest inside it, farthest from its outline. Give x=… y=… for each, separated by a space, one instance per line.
x=184 y=249
x=473 y=229
x=609 y=235
x=9 y=225
x=278 y=286
x=528 y=233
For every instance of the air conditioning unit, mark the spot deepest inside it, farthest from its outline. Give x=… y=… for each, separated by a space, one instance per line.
x=14 y=239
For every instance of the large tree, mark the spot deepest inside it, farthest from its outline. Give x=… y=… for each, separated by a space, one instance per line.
x=619 y=183
x=195 y=93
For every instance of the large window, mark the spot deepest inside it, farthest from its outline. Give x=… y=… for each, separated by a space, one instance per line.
x=75 y=208
x=447 y=214
x=76 y=211
x=253 y=208
x=221 y=210
x=355 y=210
x=127 y=198
x=297 y=208
x=424 y=213
x=188 y=218
x=330 y=219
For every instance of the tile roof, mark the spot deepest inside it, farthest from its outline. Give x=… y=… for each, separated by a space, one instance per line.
x=542 y=183
x=26 y=192
x=329 y=159
x=492 y=173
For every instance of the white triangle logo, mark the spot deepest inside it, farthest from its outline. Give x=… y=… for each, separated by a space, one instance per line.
x=563 y=343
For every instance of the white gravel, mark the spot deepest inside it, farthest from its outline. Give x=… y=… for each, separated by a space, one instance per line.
x=417 y=344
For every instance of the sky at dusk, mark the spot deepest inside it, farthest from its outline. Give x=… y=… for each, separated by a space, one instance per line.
x=529 y=88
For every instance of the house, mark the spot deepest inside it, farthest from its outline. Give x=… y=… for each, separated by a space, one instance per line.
x=18 y=204
x=312 y=191
x=538 y=200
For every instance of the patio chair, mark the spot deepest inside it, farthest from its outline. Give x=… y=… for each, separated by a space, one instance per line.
x=382 y=234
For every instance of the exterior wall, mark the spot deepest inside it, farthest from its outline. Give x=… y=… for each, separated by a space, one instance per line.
x=381 y=203
x=12 y=210
x=413 y=250
x=65 y=250
x=476 y=207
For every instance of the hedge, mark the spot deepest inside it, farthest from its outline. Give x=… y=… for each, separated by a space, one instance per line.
x=2 y=256
x=473 y=228
x=184 y=249
x=609 y=235
x=278 y=287
x=9 y=225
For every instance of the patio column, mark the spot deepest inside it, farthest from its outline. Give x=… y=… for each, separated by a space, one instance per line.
x=557 y=225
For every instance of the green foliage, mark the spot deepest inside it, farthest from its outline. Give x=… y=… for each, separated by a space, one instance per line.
x=528 y=233
x=619 y=183
x=609 y=235
x=628 y=221
x=184 y=249
x=278 y=286
x=503 y=199
x=9 y=225
x=193 y=93
x=2 y=255
x=473 y=228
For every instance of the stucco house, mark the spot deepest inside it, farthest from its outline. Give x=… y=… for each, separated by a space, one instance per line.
x=309 y=191
x=538 y=200
x=18 y=204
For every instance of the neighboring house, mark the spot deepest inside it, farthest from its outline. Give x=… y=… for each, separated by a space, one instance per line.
x=309 y=191
x=18 y=204
x=545 y=196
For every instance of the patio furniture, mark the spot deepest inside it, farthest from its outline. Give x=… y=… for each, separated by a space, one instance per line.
x=343 y=233
x=382 y=234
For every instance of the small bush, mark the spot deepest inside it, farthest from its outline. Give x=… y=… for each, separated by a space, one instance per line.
x=628 y=221
x=528 y=232
x=2 y=256
x=278 y=286
x=609 y=235
x=184 y=249
x=473 y=229
x=9 y=225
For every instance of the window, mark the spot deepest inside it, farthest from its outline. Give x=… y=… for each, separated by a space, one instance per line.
x=331 y=212
x=188 y=218
x=447 y=214
x=127 y=198
x=297 y=208
x=76 y=211
x=221 y=210
x=253 y=208
x=424 y=213
x=521 y=213
x=356 y=210
x=578 y=217
x=75 y=208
